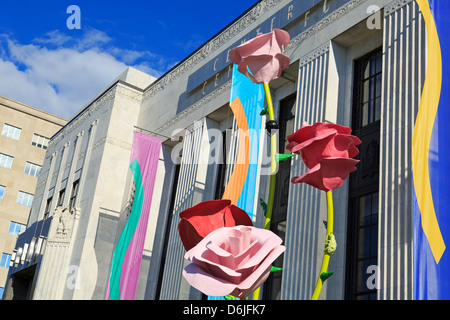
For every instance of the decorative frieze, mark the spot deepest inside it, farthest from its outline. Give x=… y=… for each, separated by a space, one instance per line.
x=315 y=54
x=210 y=47
x=101 y=103
x=336 y=15
x=213 y=95
x=394 y=6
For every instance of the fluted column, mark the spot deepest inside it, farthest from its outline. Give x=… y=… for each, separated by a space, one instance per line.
x=190 y=190
x=306 y=206
x=404 y=71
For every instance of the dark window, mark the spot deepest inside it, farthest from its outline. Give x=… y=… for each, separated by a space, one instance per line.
x=367 y=90
x=61 y=197
x=167 y=231
x=73 y=195
x=362 y=228
x=272 y=287
x=222 y=169
x=47 y=208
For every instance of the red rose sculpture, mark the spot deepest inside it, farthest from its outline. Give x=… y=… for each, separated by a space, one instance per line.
x=232 y=261
x=200 y=220
x=263 y=55
x=327 y=150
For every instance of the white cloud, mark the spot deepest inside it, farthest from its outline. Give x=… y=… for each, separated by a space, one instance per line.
x=60 y=74
x=54 y=37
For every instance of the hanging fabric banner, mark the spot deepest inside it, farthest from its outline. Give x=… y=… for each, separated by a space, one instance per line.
x=431 y=161
x=127 y=257
x=246 y=102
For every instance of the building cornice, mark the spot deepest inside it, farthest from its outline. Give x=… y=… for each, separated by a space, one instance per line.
x=119 y=88
x=211 y=46
x=21 y=107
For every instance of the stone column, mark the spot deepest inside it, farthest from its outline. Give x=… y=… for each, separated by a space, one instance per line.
x=305 y=232
x=404 y=72
x=194 y=186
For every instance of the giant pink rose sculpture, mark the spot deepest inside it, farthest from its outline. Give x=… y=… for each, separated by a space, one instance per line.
x=327 y=150
x=232 y=261
x=263 y=56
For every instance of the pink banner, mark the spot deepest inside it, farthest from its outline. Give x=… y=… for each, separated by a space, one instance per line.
x=126 y=263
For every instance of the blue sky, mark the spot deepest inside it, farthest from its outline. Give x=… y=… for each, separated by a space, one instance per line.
x=45 y=64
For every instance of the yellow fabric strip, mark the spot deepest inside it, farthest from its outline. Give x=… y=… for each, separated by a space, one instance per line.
x=422 y=135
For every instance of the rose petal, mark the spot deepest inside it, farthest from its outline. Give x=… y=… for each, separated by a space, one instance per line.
x=345 y=143
x=312 y=150
x=205 y=216
x=282 y=38
x=329 y=174
x=188 y=234
x=243 y=68
x=218 y=270
x=336 y=170
x=205 y=207
x=259 y=44
x=235 y=216
x=238 y=240
x=199 y=220
x=218 y=255
x=266 y=67
x=257 y=278
x=269 y=43
x=319 y=128
x=269 y=241
x=205 y=282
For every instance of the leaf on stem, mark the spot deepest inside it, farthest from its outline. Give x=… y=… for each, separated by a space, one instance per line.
x=281 y=157
x=325 y=275
x=274 y=269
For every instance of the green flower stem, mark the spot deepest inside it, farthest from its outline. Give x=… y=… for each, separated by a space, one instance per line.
x=273 y=169
x=327 y=253
x=273 y=163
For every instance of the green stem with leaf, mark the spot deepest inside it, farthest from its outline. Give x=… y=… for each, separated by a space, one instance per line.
x=330 y=247
x=273 y=163
x=273 y=169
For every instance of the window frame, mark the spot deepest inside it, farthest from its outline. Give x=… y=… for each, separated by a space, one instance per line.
x=28 y=202
x=11 y=131
x=2 y=191
x=5 y=260
x=32 y=166
x=15 y=232
x=40 y=141
x=7 y=165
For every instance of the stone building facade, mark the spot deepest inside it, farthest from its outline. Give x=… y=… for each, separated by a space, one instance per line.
x=25 y=133
x=358 y=63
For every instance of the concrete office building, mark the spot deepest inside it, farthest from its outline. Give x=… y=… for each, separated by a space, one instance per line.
x=25 y=132
x=358 y=63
